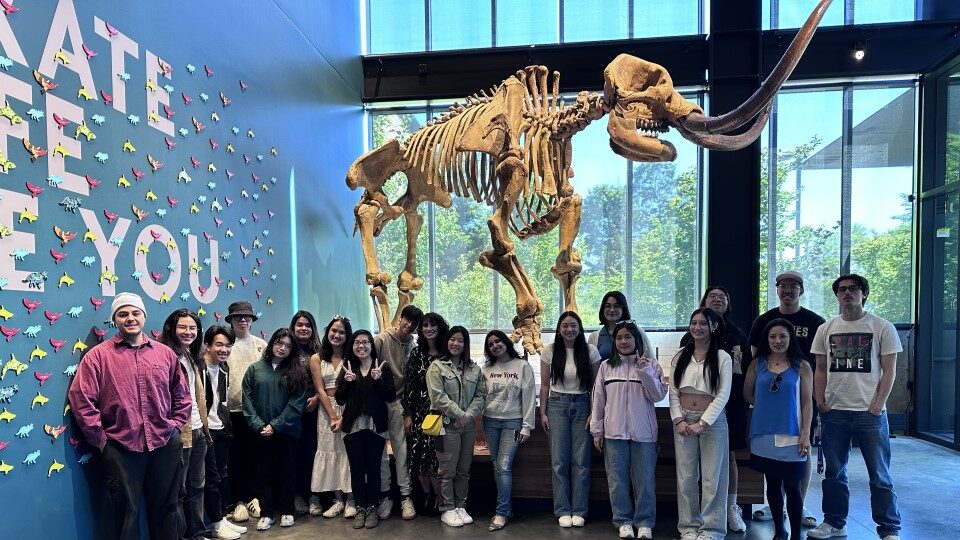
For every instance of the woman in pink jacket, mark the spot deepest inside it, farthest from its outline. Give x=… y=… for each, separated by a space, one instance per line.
x=624 y=427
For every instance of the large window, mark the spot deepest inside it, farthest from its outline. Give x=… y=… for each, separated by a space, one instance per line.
x=792 y=13
x=433 y=25
x=639 y=234
x=836 y=193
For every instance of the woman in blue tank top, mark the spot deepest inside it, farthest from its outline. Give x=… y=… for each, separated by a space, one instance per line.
x=779 y=384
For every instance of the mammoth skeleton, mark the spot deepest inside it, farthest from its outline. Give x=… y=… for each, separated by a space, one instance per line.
x=511 y=150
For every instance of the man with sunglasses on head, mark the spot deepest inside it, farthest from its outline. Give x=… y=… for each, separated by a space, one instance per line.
x=805 y=324
x=856 y=366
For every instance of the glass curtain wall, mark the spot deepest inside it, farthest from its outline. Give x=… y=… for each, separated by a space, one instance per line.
x=836 y=193
x=792 y=13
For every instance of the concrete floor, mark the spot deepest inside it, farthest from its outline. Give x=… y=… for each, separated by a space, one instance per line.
x=922 y=472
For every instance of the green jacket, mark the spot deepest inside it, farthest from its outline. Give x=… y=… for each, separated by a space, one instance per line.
x=453 y=394
x=266 y=402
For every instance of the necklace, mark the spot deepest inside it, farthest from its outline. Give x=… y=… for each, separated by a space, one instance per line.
x=699 y=358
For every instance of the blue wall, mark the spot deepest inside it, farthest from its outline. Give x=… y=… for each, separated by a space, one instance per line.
x=302 y=80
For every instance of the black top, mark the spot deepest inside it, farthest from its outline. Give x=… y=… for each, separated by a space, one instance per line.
x=805 y=321
x=365 y=395
x=222 y=379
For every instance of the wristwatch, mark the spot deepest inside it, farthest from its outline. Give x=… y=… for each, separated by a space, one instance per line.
x=703 y=424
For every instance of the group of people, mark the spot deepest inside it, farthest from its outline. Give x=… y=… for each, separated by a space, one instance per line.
x=212 y=428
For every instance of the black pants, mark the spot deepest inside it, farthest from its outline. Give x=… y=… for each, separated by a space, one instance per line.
x=242 y=463
x=153 y=476
x=216 y=491
x=306 y=451
x=364 y=449
x=190 y=515
x=777 y=486
x=276 y=467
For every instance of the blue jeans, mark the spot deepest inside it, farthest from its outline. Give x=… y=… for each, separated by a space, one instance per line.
x=702 y=478
x=502 y=442
x=873 y=434
x=569 y=452
x=631 y=462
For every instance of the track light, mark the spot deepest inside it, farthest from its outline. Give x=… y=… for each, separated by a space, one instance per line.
x=859 y=50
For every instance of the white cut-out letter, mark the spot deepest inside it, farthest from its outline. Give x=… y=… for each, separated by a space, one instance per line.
x=64 y=23
x=105 y=248
x=120 y=45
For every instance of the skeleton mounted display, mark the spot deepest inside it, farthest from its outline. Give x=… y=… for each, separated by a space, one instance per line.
x=511 y=149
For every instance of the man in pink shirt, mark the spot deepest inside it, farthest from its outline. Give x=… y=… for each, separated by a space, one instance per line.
x=130 y=401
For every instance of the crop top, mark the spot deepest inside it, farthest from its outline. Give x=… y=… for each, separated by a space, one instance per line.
x=695 y=380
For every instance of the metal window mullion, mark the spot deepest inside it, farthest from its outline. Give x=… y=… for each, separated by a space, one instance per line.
x=846 y=180
x=774 y=14
x=427 y=33
x=628 y=251
x=493 y=25
x=560 y=7
x=848 y=11
x=772 y=201
x=630 y=8
x=432 y=250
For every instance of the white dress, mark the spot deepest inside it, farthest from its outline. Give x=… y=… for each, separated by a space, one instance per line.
x=331 y=470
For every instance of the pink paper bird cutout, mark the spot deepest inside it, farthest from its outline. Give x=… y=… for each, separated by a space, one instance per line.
x=209 y=70
x=170 y=143
x=110 y=216
x=8 y=8
x=97 y=302
x=57 y=256
x=60 y=121
x=57 y=344
x=34 y=190
x=107 y=98
x=42 y=377
x=91 y=181
x=88 y=51
x=111 y=31
x=8 y=332
x=31 y=305
x=52 y=316
x=172 y=201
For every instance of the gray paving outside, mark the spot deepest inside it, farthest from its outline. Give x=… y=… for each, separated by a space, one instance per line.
x=923 y=474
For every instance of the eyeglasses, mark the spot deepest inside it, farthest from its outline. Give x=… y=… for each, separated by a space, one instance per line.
x=363 y=343
x=717 y=296
x=183 y=328
x=613 y=306
x=845 y=288
x=775 y=386
x=789 y=286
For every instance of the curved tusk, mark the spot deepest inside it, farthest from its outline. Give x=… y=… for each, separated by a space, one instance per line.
x=729 y=142
x=699 y=123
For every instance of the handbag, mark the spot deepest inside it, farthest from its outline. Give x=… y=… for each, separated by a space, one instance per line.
x=432 y=424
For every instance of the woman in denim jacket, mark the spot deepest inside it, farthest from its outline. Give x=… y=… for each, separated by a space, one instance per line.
x=457 y=390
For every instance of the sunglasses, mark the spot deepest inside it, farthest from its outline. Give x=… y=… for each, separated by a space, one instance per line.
x=775 y=385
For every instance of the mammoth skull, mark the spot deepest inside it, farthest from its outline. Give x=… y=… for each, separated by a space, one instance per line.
x=643 y=103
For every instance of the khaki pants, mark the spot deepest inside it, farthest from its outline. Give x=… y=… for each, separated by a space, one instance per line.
x=398 y=442
x=455 y=454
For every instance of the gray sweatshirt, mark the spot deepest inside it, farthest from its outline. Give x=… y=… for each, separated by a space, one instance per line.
x=396 y=353
x=511 y=392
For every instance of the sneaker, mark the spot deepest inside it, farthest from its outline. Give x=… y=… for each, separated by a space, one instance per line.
x=286 y=520
x=577 y=521
x=826 y=530
x=407 y=511
x=451 y=518
x=464 y=516
x=735 y=519
x=253 y=508
x=497 y=523
x=233 y=526
x=240 y=514
x=386 y=506
x=626 y=531
x=222 y=532
x=808 y=520
x=300 y=505
x=373 y=518
x=333 y=511
x=891 y=537
x=359 y=518
x=689 y=536
x=264 y=523
x=645 y=533
x=763 y=514
x=566 y=521
x=350 y=510
x=315 y=508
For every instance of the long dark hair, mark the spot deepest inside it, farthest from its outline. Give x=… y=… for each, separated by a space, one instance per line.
x=293 y=375
x=314 y=345
x=621 y=299
x=465 y=355
x=711 y=366
x=511 y=350
x=721 y=288
x=352 y=358
x=581 y=355
x=442 y=330
x=326 y=349
x=794 y=355
x=169 y=335
x=631 y=327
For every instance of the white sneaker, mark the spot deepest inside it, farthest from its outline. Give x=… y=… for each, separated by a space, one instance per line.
x=689 y=536
x=808 y=520
x=222 y=532
x=645 y=533
x=735 y=519
x=334 y=509
x=451 y=518
x=240 y=514
x=350 y=510
x=315 y=508
x=286 y=520
x=464 y=516
x=386 y=506
x=233 y=526
x=763 y=514
x=891 y=537
x=300 y=505
x=407 y=511
x=566 y=521
x=825 y=530
x=626 y=531
x=253 y=508
x=264 y=523
x=577 y=521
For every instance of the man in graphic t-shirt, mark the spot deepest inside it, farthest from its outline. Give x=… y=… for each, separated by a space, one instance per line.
x=805 y=323
x=856 y=365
